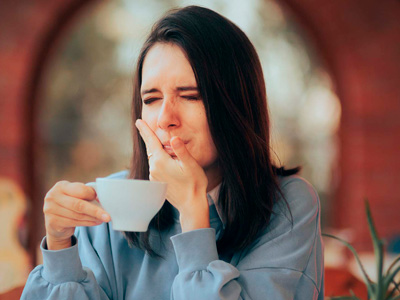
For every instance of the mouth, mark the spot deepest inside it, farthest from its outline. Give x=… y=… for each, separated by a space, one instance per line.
x=168 y=148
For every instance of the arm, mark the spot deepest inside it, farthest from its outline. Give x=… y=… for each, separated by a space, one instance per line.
x=286 y=262
x=62 y=277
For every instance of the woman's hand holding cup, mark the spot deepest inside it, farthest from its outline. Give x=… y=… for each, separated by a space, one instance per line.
x=66 y=206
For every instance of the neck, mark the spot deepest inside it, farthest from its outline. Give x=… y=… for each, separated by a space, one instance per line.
x=214 y=177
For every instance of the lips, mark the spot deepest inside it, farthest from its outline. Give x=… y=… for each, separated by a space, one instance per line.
x=168 y=148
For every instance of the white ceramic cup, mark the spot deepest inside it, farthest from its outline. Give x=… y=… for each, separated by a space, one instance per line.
x=131 y=203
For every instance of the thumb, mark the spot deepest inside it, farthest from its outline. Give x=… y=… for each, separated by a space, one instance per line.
x=180 y=150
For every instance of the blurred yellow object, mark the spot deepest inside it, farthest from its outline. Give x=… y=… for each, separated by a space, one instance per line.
x=14 y=261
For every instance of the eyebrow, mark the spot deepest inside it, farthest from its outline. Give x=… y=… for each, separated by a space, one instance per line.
x=179 y=88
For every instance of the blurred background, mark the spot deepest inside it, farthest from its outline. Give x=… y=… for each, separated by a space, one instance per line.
x=332 y=75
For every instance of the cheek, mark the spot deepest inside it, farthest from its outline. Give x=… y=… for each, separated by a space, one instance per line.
x=208 y=150
x=150 y=117
x=207 y=155
x=212 y=151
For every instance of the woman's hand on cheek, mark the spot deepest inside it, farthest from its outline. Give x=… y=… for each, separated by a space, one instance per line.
x=187 y=182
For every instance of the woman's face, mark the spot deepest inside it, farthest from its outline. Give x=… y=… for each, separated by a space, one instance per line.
x=172 y=105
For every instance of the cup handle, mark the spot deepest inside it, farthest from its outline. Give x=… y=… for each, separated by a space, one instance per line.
x=93 y=185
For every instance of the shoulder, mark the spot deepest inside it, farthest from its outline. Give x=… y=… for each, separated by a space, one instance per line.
x=295 y=215
x=294 y=184
x=293 y=231
x=299 y=195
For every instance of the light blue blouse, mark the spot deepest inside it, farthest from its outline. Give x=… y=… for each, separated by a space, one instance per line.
x=285 y=262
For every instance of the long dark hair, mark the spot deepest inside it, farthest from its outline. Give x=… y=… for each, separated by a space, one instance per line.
x=231 y=84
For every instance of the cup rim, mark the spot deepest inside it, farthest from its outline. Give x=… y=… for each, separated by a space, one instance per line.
x=130 y=179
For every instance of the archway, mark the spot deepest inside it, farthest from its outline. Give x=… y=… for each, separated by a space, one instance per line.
x=320 y=95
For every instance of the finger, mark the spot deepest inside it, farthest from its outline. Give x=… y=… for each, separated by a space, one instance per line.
x=181 y=152
x=152 y=142
x=67 y=213
x=68 y=223
x=78 y=190
x=83 y=207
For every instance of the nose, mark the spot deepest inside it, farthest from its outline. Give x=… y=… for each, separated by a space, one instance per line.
x=168 y=114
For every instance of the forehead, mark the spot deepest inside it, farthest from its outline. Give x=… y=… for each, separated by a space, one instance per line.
x=166 y=63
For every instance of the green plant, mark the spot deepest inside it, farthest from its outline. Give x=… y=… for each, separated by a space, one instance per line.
x=382 y=289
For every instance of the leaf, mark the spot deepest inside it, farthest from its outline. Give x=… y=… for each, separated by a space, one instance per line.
x=353 y=295
x=395 y=298
x=344 y=298
x=396 y=260
x=395 y=288
x=390 y=278
x=367 y=280
x=378 y=250
x=381 y=289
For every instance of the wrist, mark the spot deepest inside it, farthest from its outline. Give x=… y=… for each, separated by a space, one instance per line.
x=53 y=244
x=189 y=224
x=195 y=216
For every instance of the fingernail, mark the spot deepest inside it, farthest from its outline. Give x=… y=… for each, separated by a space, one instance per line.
x=104 y=217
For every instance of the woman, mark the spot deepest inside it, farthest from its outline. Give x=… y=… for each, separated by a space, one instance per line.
x=234 y=225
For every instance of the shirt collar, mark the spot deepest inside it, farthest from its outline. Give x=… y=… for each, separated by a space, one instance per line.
x=215 y=212
x=213 y=195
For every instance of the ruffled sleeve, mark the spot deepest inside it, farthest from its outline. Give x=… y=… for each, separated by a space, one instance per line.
x=62 y=277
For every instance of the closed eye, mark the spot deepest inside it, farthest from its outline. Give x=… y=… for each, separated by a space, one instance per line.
x=191 y=98
x=150 y=100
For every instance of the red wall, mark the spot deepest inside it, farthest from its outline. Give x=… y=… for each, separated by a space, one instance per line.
x=359 y=41
x=29 y=32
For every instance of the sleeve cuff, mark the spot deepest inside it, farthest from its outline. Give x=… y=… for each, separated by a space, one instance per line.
x=195 y=249
x=61 y=266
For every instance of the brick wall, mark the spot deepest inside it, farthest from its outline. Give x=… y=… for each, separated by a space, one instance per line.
x=360 y=42
x=29 y=32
